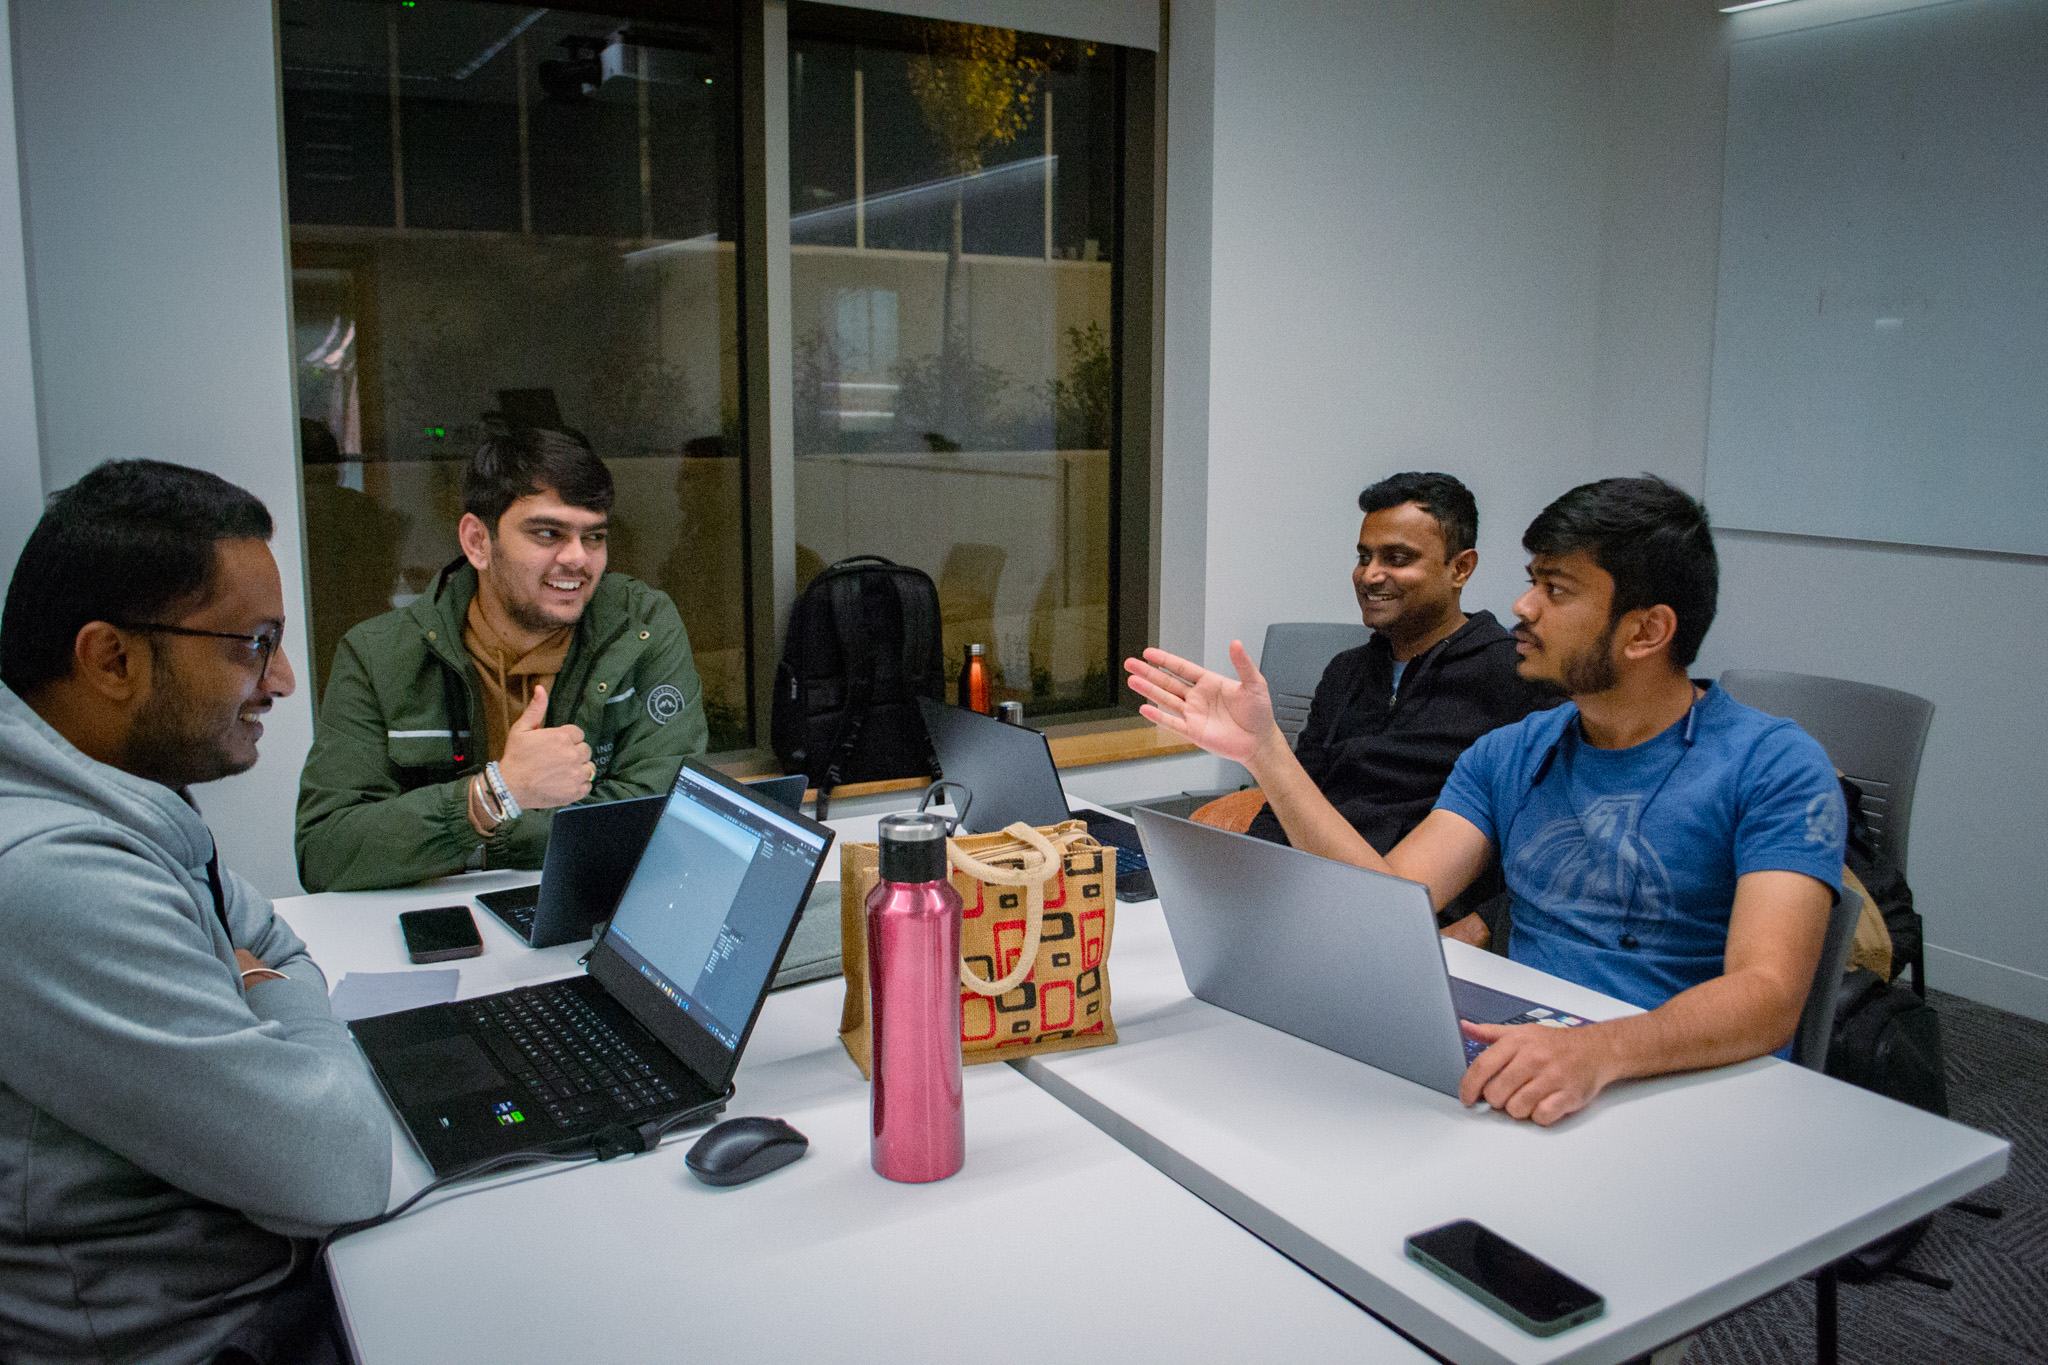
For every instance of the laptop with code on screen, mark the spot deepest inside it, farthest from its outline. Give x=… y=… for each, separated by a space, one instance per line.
x=591 y=852
x=653 y=1032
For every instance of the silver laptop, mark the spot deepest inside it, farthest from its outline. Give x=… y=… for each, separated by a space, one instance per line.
x=1343 y=957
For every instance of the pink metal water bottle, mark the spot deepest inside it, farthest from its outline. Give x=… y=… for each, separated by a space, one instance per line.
x=917 y=1128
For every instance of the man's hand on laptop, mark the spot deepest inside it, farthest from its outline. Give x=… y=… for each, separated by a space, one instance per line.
x=1232 y=719
x=545 y=766
x=1537 y=1072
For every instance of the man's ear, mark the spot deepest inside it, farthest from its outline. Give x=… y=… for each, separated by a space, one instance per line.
x=1463 y=565
x=1651 y=631
x=475 y=539
x=111 y=662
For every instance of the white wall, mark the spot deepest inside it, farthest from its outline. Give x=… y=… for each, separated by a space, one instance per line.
x=21 y=470
x=1405 y=275
x=1961 y=629
x=1484 y=238
x=154 y=215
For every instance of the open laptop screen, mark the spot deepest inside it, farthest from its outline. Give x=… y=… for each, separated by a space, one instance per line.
x=712 y=902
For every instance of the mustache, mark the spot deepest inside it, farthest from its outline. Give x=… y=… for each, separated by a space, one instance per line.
x=1525 y=635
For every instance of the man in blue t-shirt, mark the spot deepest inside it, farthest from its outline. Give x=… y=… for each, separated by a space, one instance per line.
x=1662 y=843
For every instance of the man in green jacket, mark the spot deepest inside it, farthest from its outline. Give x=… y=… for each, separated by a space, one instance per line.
x=528 y=679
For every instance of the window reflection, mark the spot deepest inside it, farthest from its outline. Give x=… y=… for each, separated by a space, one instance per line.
x=501 y=213
x=953 y=192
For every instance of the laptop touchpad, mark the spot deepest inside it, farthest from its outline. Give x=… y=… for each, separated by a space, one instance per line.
x=444 y=1067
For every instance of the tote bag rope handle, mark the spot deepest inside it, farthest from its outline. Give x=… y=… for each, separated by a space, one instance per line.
x=1032 y=878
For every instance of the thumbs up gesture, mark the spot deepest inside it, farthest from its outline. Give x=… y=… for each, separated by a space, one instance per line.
x=545 y=766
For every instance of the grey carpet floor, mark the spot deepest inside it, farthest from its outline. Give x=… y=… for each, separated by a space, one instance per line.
x=1998 y=1310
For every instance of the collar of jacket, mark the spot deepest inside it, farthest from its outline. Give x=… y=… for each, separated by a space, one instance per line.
x=440 y=614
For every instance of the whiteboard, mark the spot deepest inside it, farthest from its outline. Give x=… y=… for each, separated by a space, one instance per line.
x=1880 y=361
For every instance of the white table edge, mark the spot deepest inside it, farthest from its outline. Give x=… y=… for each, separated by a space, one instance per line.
x=1444 y=1337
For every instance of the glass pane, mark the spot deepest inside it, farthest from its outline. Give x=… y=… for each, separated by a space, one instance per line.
x=953 y=196
x=503 y=214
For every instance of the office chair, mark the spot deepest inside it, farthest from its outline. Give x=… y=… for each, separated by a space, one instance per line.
x=1874 y=735
x=1293 y=659
x=1817 y=1020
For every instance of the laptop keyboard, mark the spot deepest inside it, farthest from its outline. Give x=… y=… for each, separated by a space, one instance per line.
x=576 y=1065
x=516 y=907
x=1539 y=1015
x=1129 y=860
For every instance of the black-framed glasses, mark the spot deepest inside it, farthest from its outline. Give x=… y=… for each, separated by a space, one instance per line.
x=263 y=644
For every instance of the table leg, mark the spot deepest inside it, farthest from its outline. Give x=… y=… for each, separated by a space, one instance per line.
x=1825 y=1349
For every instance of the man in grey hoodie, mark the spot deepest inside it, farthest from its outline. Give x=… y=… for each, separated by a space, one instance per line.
x=180 y=1114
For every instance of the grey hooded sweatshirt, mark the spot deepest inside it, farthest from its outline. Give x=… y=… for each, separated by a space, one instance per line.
x=167 y=1142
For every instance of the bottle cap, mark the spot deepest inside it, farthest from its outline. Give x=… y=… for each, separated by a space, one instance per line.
x=913 y=848
x=977 y=649
x=1010 y=712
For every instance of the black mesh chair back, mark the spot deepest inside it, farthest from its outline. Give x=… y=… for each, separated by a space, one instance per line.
x=1875 y=735
x=1293 y=659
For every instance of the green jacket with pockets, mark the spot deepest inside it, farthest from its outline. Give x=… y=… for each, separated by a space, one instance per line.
x=382 y=801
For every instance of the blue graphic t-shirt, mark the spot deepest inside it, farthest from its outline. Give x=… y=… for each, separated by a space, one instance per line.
x=1622 y=863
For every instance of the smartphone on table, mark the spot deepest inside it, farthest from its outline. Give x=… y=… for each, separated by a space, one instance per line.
x=1538 y=1298
x=442 y=934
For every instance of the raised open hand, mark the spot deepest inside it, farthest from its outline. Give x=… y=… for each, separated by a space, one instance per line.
x=1231 y=718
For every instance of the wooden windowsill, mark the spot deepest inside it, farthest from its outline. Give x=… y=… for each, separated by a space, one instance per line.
x=1084 y=744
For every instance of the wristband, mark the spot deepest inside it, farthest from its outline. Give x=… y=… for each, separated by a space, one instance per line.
x=269 y=974
x=501 y=791
x=484 y=811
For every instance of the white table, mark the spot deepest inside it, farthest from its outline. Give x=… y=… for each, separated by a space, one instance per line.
x=1052 y=1240
x=1678 y=1199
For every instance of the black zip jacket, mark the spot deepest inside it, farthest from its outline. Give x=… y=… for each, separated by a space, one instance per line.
x=1381 y=758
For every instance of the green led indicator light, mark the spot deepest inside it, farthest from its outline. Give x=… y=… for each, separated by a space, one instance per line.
x=438 y=433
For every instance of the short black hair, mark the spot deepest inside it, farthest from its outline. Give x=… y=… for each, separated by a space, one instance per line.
x=518 y=463
x=128 y=542
x=1652 y=538
x=1440 y=495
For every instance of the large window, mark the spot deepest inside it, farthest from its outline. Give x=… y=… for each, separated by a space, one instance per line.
x=504 y=214
x=953 y=196
x=507 y=214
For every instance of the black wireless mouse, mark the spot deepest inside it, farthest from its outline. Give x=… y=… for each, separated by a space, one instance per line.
x=743 y=1149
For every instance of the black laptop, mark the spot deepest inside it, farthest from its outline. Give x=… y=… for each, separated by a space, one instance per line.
x=654 y=1032
x=1010 y=771
x=591 y=853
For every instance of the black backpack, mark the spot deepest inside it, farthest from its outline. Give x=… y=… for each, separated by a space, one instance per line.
x=863 y=645
x=1886 y=1037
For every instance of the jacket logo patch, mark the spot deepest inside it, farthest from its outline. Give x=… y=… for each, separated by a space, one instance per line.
x=664 y=704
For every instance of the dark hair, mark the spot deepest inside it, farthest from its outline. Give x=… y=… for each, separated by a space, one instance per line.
x=1440 y=495
x=1652 y=539
x=128 y=542
x=525 y=460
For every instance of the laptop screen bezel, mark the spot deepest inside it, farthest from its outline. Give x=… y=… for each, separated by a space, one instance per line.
x=689 y=1040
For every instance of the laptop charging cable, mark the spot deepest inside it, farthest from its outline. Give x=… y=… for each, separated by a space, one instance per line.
x=607 y=1144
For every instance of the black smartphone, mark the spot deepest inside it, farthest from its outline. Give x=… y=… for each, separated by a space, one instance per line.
x=1537 y=1298
x=441 y=934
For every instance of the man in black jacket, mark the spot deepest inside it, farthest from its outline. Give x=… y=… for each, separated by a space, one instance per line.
x=1391 y=716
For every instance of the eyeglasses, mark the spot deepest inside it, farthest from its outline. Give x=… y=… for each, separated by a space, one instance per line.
x=263 y=645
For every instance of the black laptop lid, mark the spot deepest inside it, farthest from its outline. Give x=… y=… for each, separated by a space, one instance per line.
x=707 y=915
x=1007 y=767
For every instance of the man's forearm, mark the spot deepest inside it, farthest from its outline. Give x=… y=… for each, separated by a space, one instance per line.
x=1312 y=823
x=1731 y=1018
x=392 y=841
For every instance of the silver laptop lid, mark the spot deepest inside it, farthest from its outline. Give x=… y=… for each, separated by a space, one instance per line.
x=1343 y=957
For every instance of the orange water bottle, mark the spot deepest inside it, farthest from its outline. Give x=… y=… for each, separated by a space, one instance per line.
x=974 y=680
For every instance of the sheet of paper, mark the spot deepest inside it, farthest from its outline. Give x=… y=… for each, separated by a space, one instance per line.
x=358 y=995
